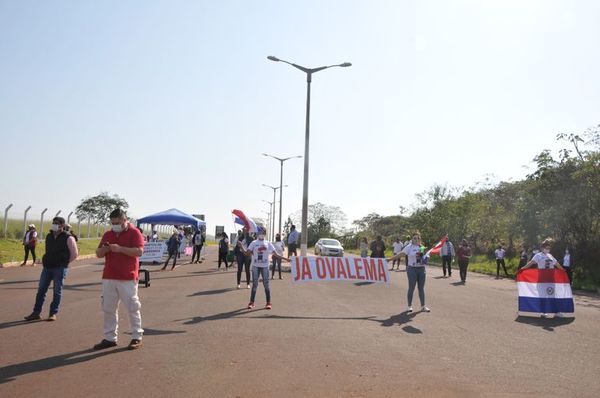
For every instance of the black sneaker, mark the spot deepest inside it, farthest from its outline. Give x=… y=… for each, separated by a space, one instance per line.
x=105 y=344
x=33 y=317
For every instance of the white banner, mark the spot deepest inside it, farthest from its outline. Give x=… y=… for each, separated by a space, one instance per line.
x=153 y=251
x=307 y=269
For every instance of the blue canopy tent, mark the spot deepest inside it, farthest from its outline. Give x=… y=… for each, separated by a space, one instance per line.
x=172 y=217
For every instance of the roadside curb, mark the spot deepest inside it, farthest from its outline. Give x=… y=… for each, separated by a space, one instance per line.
x=18 y=263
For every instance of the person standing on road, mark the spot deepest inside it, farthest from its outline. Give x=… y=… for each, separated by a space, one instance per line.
x=121 y=248
x=278 y=244
x=415 y=271
x=292 y=240
x=464 y=255
x=197 y=242
x=223 y=250
x=378 y=247
x=172 y=249
x=243 y=261
x=259 y=250
x=500 y=253
x=397 y=248
x=364 y=247
x=523 y=256
x=29 y=242
x=545 y=260
x=61 y=249
x=567 y=265
x=447 y=253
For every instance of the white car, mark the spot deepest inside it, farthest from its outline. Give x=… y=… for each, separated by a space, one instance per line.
x=329 y=247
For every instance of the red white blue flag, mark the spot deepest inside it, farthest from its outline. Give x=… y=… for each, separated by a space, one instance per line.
x=544 y=291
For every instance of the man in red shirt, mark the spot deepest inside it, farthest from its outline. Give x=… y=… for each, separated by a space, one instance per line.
x=121 y=247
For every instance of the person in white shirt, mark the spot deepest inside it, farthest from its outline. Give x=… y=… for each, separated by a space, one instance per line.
x=500 y=252
x=567 y=265
x=545 y=260
x=259 y=250
x=278 y=245
x=396 y=248
x=29 y=243
x=415 y=271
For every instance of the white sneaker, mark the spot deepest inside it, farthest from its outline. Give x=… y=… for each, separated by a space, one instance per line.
x=425 y=309
x=560 y=315
x=409 y=310
x=545 y=315
x=248 y=287
x=239 y=286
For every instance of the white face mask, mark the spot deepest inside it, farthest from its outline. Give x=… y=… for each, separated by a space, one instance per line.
x=546 y=250
x=261 y=237
x=117 y=228
x=54 y=227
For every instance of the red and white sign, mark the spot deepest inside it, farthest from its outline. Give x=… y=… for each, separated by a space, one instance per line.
x=309 y=269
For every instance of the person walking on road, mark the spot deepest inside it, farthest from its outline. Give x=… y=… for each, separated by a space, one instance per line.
x=259 y=250
x=29 y=243
x=500 y=253
x=223 y=250
x=61 y=249
x=121 y=248
x=447 y=253
x=378 y=247
x=292 y=240
x=415 y=271
x=464 y=255
x=172 y=249
x=243 y=261
x=278 y=244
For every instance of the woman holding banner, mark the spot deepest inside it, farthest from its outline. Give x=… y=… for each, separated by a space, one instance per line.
x=415 y=271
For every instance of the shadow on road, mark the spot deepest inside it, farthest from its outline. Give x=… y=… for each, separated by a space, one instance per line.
x=16 y=323
x=215 y=317
x=459 y=283
x=156 y=332
x=400 y=319
x=545 y=323
x=11 y=372
x=16 y=282
x=79 y=286
x=243 y=311
x=211 y=292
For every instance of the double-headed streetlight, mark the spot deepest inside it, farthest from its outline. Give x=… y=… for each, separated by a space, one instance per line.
x=309 y=72
x=281 y=160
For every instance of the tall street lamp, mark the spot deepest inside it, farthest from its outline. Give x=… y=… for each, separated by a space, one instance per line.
x=274 y=202
x=281 y=160
x=309 y=72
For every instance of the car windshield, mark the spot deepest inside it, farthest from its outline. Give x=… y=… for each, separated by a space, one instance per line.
x=330 y=242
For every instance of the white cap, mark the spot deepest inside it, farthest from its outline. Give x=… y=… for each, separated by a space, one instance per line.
x=31 y=226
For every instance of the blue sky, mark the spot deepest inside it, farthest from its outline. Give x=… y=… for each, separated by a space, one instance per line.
x=171 y=103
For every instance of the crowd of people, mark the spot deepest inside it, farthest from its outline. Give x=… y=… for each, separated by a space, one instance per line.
x=123 y=244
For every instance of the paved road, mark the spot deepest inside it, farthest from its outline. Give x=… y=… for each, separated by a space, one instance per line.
x=320 y=340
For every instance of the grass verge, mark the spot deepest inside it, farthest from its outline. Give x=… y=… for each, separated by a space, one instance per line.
x=12 y=249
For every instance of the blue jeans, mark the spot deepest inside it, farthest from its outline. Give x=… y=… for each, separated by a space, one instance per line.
x=56 y=275
x=264 y=272
x=416 y=275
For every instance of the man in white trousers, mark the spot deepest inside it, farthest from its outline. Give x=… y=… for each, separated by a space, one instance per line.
x=120 y=246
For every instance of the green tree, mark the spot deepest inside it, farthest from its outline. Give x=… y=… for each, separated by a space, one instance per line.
x=99 y=207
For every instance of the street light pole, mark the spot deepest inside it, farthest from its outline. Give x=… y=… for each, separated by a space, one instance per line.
x=281 y=160
x=274 y=202
x=309 y=72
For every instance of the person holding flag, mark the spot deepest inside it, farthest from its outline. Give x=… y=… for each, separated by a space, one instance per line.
x=415 y=271
x=259 y=250
x=548 y=290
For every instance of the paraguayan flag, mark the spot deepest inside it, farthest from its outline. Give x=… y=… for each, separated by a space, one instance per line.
x=544 y=291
